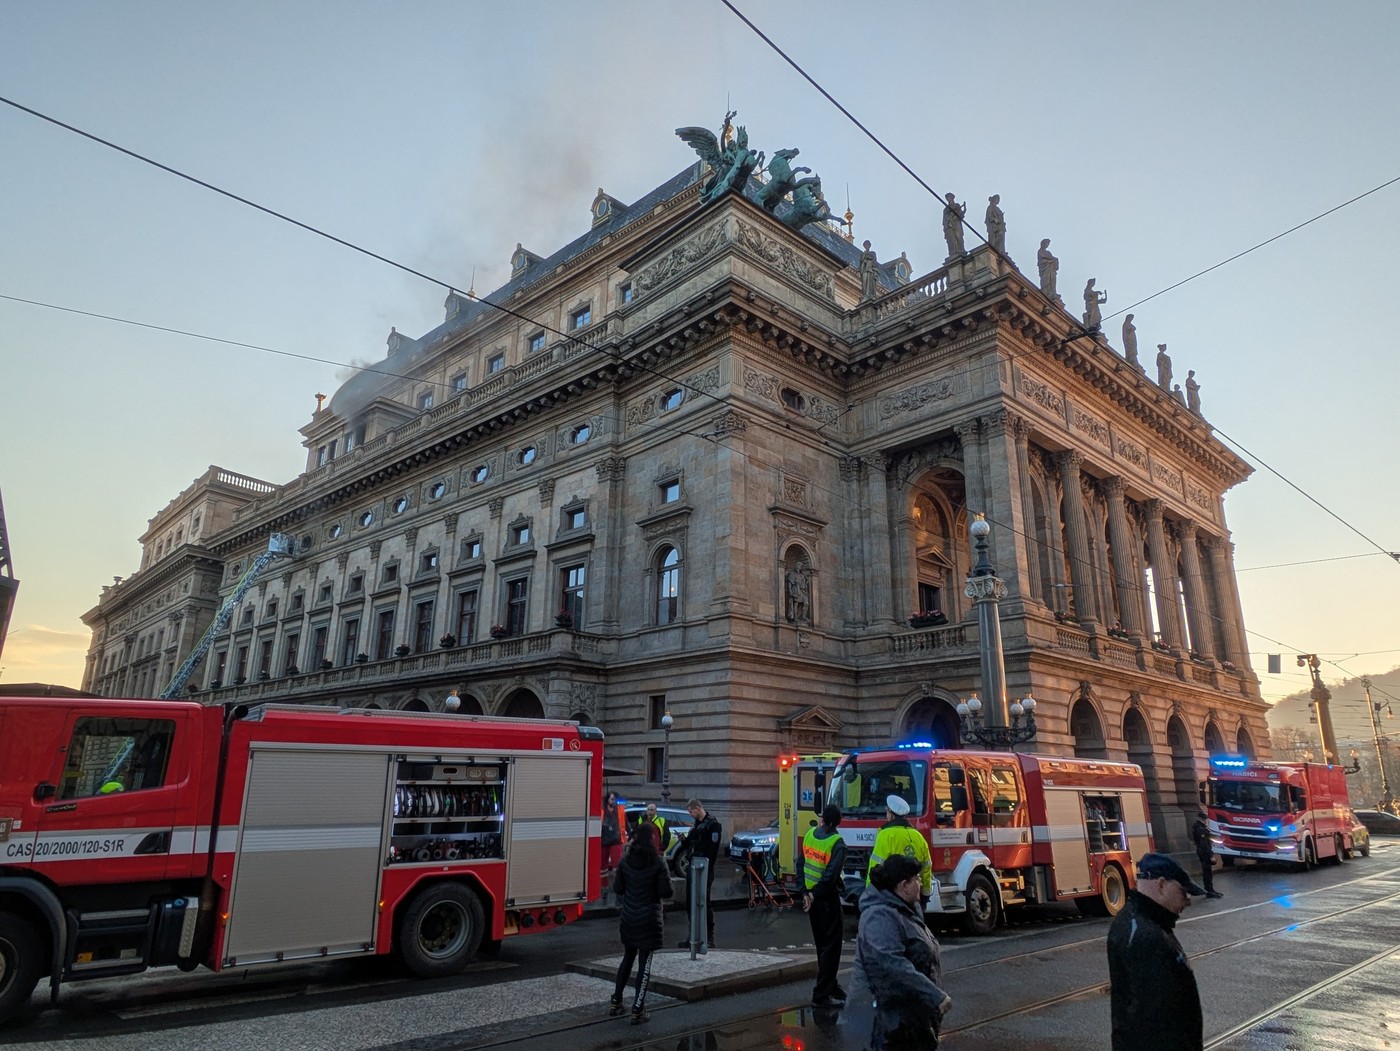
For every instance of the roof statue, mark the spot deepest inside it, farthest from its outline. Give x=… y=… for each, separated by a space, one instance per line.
x=732 y=162
x=730 y=159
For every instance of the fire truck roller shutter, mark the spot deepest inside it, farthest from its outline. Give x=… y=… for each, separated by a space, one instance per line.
x=548 y=830
x=1069 y=845
x=309 y=854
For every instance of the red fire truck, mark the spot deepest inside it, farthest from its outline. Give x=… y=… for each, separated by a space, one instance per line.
x=140 y=833
x=1293 y=812
x=1004 y=829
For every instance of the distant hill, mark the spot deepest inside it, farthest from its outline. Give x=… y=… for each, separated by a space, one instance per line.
x=1348 y=707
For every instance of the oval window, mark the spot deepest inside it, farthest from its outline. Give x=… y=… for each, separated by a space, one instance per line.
x=527 y=455
x=400 y=505
x=480 y=473
x=437 y=490
x=366 y=518
x=581 y=434
x=306 y=542
x=672 y=399
x=336 y=530
x=793 y=400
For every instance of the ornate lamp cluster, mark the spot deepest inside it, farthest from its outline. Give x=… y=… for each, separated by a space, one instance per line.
x=666 y=723
x=998 y=737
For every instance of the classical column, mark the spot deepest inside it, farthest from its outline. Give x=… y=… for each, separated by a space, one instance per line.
x=855 y=590
x=611 y=472
x=1199 y=610
x=882 y=544
x=1004 y=500
x=1226 y=602
x=969 y=434
x=1081 y=568
x=1120 y=540
x=1163 y=577
x=1022 y=432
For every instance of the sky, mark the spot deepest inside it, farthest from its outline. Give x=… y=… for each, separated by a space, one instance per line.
x=1148 y=141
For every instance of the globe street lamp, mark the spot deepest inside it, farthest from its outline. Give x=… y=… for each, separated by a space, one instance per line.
x=666 y=723
x=998 y=727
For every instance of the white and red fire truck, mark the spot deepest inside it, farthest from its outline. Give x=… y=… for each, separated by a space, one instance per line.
x=135 y=834
x=1294 y=812
x=1004 y=829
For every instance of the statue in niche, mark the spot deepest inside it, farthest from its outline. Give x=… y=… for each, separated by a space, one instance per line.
x=869 y=278
x=799 y=593
x=1049 y=267
x=729 y=157
x=1193 y=392
x=953 y=215
x=996 y=224
x=1093 y=299
x=1130 y=342
x=782 y=179
x=1164 y=368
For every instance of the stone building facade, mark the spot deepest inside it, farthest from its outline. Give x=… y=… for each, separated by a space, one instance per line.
x=689 y=466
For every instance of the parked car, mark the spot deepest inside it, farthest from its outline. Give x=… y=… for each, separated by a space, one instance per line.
x=1360 y=838
x=1379 y=823
x=678 y=821
x=755 y=841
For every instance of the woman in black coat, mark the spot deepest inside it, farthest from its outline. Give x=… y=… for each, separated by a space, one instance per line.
x=642 y=883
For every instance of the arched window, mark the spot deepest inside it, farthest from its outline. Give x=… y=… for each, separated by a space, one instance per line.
x=668 y=585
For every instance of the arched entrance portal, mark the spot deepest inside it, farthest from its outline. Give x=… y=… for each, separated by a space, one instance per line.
x=1215 y=742
x=522 y=704
x=1183 y=767
x=1088 y=731
x=1139 y=740
x=933 y=720
x=416 y=705
x=1244 y=743
x=470 y=706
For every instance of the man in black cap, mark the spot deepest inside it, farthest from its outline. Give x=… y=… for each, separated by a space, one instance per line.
x=1155 y=1003
x=1200 y=835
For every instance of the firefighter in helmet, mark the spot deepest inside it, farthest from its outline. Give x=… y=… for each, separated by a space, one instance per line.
x=897 y=836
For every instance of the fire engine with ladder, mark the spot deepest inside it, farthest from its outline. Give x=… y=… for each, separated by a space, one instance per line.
x=141 y=833
x=1004 y=829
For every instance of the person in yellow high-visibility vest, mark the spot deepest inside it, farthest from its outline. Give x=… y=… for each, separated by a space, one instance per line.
x=823 y=857
x=897 y=836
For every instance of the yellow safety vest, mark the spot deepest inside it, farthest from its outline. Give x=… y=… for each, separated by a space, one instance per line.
x=816 y=855
x=902 y=839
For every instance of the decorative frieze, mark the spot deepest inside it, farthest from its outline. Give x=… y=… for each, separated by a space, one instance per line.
x=915 y=398
x=794 y=491
x=1167 y=475
x=760 y=383
x=1042 y=395
x=641 y=410
x=1198 y=496
x=1133 y=454
x=688 y=252
x=703 y=381
x=729 y=422
x=783 y=257
x=1091 y=426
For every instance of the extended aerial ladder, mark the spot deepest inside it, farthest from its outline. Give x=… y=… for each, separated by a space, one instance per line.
x=278 y=544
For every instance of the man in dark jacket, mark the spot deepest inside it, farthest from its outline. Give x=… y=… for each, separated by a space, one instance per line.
x=1155 y=1004
x=704 y=841
x=823 y=855
x=1200 y=835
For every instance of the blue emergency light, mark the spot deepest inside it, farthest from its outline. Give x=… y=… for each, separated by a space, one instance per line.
x=1231 y=761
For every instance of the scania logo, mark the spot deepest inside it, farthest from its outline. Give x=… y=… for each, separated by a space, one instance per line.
x=1247 y=820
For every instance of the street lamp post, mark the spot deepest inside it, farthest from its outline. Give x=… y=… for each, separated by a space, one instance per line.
x=1320 y=696
x=666 y=723
x=1387 y=800
x=996 y=726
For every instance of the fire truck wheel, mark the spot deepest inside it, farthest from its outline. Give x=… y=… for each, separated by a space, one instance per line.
x=981 y=915
x=1339 y=853
x=1112 y=896
x=440 y=931
x=1309 y=856
x=21 y=963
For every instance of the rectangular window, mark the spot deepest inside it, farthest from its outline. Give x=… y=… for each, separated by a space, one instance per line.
x=517 y=592
x=247 y=619
x=537 y=343
x=423 y=627
x=320 y=639
x=625 y=293
x=265 y=658
x=428 y=563
x=125 y=755
x=459 y=382
x=349 y=440
x=351 y=642
x=298 y=600
x=571 y=593
x=471 y=549
x=575 y=518
x=289 y=663
x=240 y=668
x=930 y=598
x=656 y=765
x=495 y=363
x=357 y=583
x=581 y=318
x=656 y=708
x=321 y=458
x=220 y=668
x=466 y=617
x=425 y=400
x=325 y=595
x=330 y=450
x=670 y=492
x=271 y=608
x=520 y=534
x=391 y=573
x=384 y=635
